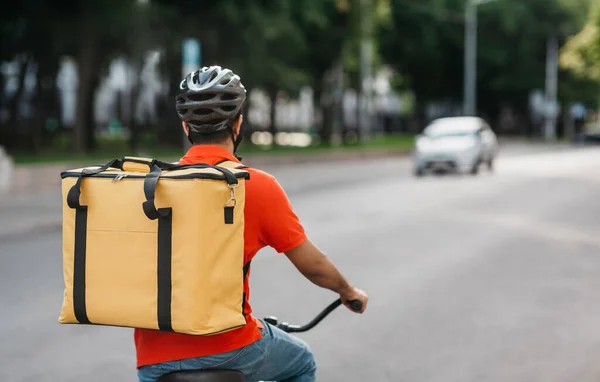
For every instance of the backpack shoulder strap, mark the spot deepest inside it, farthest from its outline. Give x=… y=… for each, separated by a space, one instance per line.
x=232 y=164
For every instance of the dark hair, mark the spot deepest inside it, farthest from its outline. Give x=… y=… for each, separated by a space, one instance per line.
x=197 y=138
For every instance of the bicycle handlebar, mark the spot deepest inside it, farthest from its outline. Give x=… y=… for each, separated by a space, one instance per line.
x=355 y=305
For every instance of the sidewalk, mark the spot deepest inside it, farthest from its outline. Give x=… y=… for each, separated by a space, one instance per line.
x=27 y=213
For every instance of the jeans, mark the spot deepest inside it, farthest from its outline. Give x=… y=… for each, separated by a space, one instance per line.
x=278 y=356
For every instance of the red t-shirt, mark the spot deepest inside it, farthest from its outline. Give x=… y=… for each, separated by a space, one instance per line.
x=269 y=221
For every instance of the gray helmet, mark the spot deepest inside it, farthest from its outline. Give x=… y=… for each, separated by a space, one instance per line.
x=209 y=99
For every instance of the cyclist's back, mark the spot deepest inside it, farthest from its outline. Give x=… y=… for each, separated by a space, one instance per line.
x=209 y=105
x=268 y=221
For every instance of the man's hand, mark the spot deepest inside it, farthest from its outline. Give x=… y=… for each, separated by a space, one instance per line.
x=355 y=294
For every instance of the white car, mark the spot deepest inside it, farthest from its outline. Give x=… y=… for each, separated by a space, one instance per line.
x=455 y=144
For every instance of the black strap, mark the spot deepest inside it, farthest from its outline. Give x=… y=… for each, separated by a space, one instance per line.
x=150 y=184
x=149 y=163
x=164 y=256
x=75 y=191
x=165 y=235
x=79 y=261
x=228 y=214
x=240 y=167
x=231 y=179
x=229 y=176
x=246 y=269
x=167 y=165
x=80 y=252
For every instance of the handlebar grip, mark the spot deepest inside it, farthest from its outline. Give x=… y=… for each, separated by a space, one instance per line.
x=355 y=305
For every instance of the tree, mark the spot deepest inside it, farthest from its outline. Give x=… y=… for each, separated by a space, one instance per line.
x=581 y=53
x=27 y=27
x=425 y=45
x=42 y=31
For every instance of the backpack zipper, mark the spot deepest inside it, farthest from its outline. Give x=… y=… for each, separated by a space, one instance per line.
x=119 y=177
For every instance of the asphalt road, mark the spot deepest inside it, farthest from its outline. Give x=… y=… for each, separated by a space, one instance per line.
x=471 y=279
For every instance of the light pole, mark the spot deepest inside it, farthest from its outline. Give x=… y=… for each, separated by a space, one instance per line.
x=551 y=89
x=470 y=66
x=363 y=98
x=191 y=59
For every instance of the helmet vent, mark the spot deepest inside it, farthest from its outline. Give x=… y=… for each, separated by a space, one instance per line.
x=202 y=111
x=183 y=85
x=229 y=97
x=200 y=97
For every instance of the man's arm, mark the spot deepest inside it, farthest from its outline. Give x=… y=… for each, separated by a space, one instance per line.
x=317 y=267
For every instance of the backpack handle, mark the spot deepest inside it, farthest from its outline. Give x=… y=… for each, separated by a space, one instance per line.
x=151 y=182
x=75 y=191
x=144 y=165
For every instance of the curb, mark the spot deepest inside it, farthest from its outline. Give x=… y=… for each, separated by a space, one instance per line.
x=41 y=177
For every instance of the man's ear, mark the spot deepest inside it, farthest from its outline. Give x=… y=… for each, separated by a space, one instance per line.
x=237 y=125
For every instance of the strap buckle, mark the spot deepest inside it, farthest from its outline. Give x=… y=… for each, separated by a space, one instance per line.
x=232 y=196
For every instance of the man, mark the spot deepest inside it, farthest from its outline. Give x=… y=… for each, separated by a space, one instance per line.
x=210 y=104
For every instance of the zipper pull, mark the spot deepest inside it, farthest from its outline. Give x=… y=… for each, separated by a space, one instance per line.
x=119 y=177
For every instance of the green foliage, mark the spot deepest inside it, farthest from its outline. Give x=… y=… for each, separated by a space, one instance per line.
x=425 y=44
x=581 y=53
x=286 y=44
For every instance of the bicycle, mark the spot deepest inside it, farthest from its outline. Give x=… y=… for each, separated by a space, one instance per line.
x=221 y=375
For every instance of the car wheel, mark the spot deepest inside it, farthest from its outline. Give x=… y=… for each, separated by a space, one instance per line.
x=490 y=165
x=475 y=169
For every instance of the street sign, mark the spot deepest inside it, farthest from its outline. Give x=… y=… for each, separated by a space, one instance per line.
x=192 y=55
x=191 y=59
x=577 y=110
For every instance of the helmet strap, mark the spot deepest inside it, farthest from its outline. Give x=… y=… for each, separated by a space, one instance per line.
x=236 y=143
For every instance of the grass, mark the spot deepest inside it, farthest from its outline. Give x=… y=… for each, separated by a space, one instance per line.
x=116 y=148
x=102 y=155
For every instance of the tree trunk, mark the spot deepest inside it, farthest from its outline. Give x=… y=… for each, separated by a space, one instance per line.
x=337 y=124
x=326 y=127
x=359 y=110
x=247 y=128
x=134 y=130
x=273 y=126
x=169 y=123
x=4 y=136
x=41 y=110
x=86 y=69
x=13 y=104
x=91 y=143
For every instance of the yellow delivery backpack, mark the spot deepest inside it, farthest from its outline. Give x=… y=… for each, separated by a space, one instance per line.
x=155 y=245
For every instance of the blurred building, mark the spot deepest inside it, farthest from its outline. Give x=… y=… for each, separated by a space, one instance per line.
x=114 y=98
